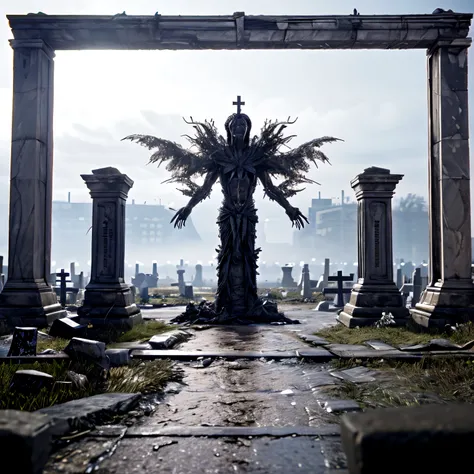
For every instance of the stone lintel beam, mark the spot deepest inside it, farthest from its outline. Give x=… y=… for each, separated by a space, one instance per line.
x=240 y=31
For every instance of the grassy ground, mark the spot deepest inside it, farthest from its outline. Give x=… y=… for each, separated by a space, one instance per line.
x=143 y=332
x=437 y=380
x=341 y=334
x=143 y=377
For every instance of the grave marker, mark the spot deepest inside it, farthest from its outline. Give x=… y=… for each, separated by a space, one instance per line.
x=339 y=290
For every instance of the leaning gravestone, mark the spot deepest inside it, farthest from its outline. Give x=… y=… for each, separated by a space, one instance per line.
x=198 y=281
x=306 y=292
x=188 y=291
x=24 y=342
x=181 y=283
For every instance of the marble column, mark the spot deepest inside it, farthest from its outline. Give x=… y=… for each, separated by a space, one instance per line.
x=108 y=300
x=375 y=291
x=28 y=299
x=449 y=296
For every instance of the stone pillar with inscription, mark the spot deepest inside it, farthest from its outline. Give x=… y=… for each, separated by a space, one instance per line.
x=449 y=296
x=28 y=299
x=375 y=291
x=108 y=300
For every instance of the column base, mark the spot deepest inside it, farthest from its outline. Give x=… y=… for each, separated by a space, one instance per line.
x=369 y=301
x=109 y=306
x=449 y=303
x=29 y=304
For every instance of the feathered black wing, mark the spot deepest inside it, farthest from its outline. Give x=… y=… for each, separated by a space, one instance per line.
x=185 y=165
x=291 y=166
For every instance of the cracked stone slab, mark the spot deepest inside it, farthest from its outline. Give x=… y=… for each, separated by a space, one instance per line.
x=194 y=355
x=313 y=340
x=339 y=406
x=356 y=375
x=438 y=345
x=346 y=347
x=316 y=355
x=370 y=354
x=380 y=345
x=85 y=413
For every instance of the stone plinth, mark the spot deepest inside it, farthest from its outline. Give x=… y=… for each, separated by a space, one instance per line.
x=108 y=300
x=449 y=296
x=375 y=291
x=27 y=298
x=198 y=281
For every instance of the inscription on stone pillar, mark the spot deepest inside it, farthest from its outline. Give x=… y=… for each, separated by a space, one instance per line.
x=377 y=210
x=377 y=243
x=107 y=240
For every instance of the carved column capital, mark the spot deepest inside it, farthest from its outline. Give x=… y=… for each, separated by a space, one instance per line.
x=32 y=44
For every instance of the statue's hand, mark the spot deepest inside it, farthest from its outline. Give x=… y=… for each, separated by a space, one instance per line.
x=296 y=217
x=180 y=217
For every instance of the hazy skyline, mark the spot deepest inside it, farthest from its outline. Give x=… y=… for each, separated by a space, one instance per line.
x=374 y=100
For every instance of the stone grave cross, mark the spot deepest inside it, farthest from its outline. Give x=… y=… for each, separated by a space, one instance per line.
x=339 y=290
x=62 y=278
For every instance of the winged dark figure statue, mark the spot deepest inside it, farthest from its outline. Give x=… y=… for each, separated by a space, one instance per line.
x=239 y=162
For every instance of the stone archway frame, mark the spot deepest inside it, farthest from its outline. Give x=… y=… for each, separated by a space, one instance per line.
x=27 y=296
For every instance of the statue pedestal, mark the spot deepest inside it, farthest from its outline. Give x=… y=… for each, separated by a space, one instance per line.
x=108 y=300
x=375 y=291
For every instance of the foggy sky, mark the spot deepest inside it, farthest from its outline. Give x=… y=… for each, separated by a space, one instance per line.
x=374 y=100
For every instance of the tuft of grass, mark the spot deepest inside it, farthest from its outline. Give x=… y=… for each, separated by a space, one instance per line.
x=341 y=334
x=143 y=377
x=45 y=398
x=55 y=343
x=431 y=380
x=143 y=332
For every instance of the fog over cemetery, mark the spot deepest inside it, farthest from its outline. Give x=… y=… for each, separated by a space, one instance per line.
x=236 y=238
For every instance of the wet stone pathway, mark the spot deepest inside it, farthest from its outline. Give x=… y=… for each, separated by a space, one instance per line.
x=254 y=415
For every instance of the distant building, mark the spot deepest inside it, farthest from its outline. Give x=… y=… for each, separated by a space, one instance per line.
x=332 y=231
x=148 y=229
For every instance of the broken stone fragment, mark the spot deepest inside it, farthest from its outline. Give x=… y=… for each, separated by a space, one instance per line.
x=67 y=328
x=25 y=441
x=23 y=342
x=79 y=381
x=89 y=351
x=118 y=357
x=29 y=382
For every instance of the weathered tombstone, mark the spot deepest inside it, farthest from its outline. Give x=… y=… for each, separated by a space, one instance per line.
x=80 y=281
x=144 y=296
x=416 y=287
x=72 y=270
x=306 y=292
x=198 y=281
x=375 y=291
x=151 y=281
x=181 y=281
x=399 y=278
x=133 y=290
x=24 y=342
x=188 y=292
x=155 y=270
x=108 y=300
x=327 y=269
x=287 y=280
x=28 y=382
x=87 y=350
x=67 y=328
x=137 y=269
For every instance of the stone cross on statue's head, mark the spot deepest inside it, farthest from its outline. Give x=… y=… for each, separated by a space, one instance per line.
x=239 y=103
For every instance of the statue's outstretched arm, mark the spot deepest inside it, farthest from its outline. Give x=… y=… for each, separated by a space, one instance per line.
x=275 y=194
x=201 y=193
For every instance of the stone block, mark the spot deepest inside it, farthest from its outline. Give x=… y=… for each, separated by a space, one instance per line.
x=340 y=406
x=29 y=382
x=25 y=441
x=67 y=328
x=428 y=438
x=323 y=306
x=88 y=351
x=85 y=413
x=118 y=357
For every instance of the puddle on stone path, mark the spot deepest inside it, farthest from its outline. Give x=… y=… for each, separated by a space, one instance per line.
x=243 y=393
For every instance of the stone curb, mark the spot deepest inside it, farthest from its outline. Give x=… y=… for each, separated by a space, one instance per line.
x=85 y=413
x=232 y=431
